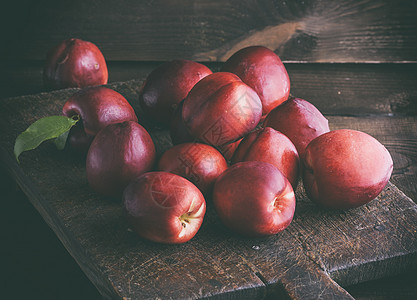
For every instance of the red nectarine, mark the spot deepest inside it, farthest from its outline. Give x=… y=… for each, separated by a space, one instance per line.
x=119 y=153
x=254 y=199
x=74 y=63
x=299 y=120
x=345 y=169
x=262 y=70
x=164 y=207
x=269 y=145
x=199 y=163
x=97 y=107
x=220 y=109
x=167 y=85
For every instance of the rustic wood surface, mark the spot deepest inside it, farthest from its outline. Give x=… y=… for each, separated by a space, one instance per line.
x=301 y=30
x=341 y=89
x=320 y=251
x=354 y=59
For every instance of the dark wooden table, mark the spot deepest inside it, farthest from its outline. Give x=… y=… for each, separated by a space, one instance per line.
x=355 y=60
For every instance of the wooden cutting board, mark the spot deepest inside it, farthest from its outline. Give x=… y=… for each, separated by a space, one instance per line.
x=318 y=253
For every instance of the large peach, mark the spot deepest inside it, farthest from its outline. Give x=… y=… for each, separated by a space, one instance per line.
x=74 y=63
x=262 y=70
x=167 y=85
x=299 y=120
x=345 y=169
x=254 y=199
x=164 y=207
x=97 y=107
x=220 y=109
x=119 y=153
x=179 y=134
x=271 y=146
x=199 y=163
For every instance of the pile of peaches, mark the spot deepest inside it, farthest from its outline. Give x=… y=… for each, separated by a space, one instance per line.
x=241 y=143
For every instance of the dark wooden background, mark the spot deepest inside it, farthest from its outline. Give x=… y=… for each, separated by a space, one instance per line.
x=350 y=58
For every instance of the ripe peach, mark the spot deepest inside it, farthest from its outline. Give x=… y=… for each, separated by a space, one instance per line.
x=119 y=153
x=262 y=70
x=299 y=120
x=345 y=169
x=269 y=145
x=164 y=207
x=220 y=109
x=254 y=199
x=167 y=85
x=74 y=63
x=97 y=107
x=199 y=163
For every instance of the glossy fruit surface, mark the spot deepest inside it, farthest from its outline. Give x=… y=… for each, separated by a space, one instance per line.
x=221 y=109
x=97 y=107
x=164 y=207
x=199 y=163
x=262 y=70
x=168 y=85
x=119 y=153
x=271 y=146
x=74 y=63
x=299 y=120
x=254 y=199
x=345 y=169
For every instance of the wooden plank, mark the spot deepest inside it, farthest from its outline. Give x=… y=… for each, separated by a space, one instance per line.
x=339 y=246
x=336 y=89
x=301 y=30
x=300 y=262
x=357 y=89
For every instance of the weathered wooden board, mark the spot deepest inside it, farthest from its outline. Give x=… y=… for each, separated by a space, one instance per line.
x=336 y=89
x=300 y=30
x=319 y=248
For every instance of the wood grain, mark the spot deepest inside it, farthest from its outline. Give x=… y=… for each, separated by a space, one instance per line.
x=320 y=250
x=357 y=89
x=301 y=30
x=336 y=89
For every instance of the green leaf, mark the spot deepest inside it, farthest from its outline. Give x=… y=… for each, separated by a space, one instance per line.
x=42 y=130
x=61 y=140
